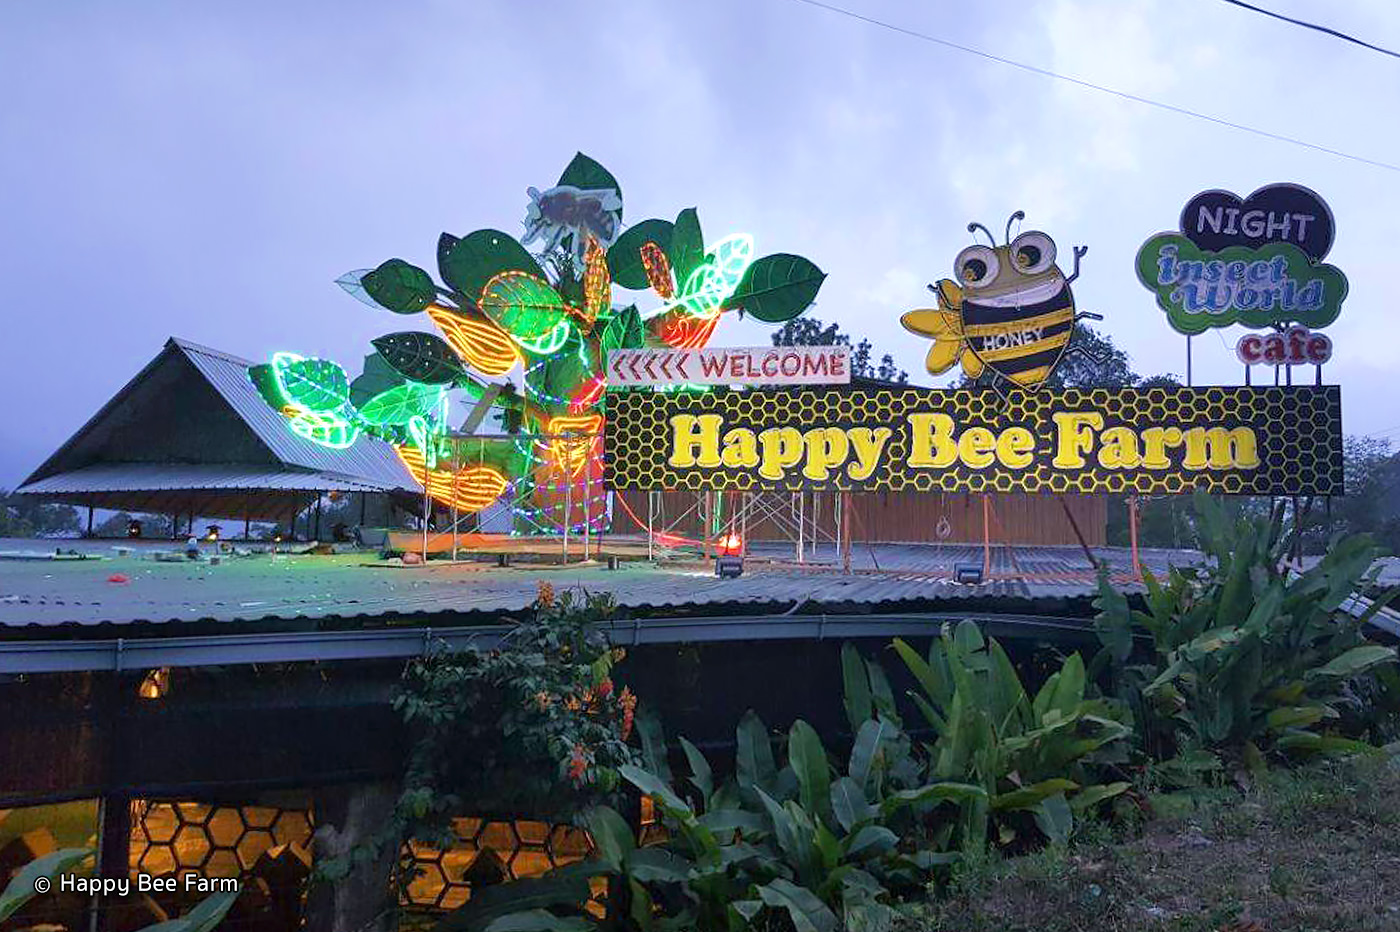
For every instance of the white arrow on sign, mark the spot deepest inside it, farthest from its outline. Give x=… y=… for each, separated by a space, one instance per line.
x=763 y=365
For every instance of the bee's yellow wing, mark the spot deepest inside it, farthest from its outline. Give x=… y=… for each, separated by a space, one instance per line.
x=933 y=322
x=950 y=296
x=972 y=364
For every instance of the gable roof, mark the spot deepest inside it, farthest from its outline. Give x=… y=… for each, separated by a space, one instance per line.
x=193 y=408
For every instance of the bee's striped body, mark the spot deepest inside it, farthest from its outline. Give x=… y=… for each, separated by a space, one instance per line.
x=1022 y=342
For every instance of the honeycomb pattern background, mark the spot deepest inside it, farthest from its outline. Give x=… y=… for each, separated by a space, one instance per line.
x=1299 y=431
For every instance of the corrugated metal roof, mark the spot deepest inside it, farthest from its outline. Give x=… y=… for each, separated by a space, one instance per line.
x=368 y=458
x=154 y=477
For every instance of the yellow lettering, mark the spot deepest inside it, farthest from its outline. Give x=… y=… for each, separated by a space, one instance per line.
x=689 y=433
x=740 y=448
x=932 y=436
x=975 y=447
x=1232 y=449
x=1072 y=440
x=1195 y=448
x=869 y=444
x=1157 y=439
x=782 y=447
x=1015 y=448
x=827 y=447
x=1119 y=449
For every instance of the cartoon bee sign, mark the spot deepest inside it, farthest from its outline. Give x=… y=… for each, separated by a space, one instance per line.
x=1011 y=309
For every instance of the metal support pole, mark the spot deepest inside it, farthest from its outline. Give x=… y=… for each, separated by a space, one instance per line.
x=89 y=529
x=568 y=509
x=801 y=527
x=456 y=468
x=1188 y=359
x=588 y=501
x=1133 y=534
x=318 y=518
x=427 y=510
x=843 y=531
x=1078 y=534
x=247 y=527
x=744 y=523
x=986 y=537
x=651 y=538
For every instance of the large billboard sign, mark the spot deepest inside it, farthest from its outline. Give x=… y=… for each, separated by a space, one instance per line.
x=1255 y=261
x=1243 y=440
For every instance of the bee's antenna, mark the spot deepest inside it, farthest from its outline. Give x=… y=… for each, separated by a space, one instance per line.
x=1018 y=215
x=974 y=227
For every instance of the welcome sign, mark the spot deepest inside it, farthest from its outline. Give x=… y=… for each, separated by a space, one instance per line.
x=1246 y=440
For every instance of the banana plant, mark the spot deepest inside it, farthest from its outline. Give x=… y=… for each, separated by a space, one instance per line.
x=1248 y=657
x=1029 y=754
x=811 y=840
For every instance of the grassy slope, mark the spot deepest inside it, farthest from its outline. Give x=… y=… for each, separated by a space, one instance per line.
x=1316 y=849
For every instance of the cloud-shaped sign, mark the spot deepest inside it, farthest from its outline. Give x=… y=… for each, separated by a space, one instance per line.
x=1274 y=284
x=1276 y=213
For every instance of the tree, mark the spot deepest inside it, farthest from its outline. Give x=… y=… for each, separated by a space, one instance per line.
x=1371 y=505
x=26 y=516
x=808 y=331
x=1102 y=365
x=153 y=526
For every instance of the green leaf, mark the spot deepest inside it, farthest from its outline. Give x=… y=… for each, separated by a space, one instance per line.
x=20 y=890
x=1055 y=818
x=871 y=840
x=1091 y=796
x=848 y=803
x=953 y=792
x=856 y=682
x=867 y=745
x=657 y=865
x=777 y=288
x=611 y=835
x=315 y=384
x=687 y=247
x=1030 y=796
x=467 y=264
x=524 y=306
x=807 y=912
x=700 y=773
x=754 y=753
x=565 y=887
x=808 y=759
x=658 y=789
x=1298 y=716
x=625 y=255
x=1357 y=660
x=203 y=918
x=623 y=330
x=587 y=175
x=400 y=405
x=420 y=357
x=538 y=920
x=376 y=378
x=400 y=287
x=654 y=745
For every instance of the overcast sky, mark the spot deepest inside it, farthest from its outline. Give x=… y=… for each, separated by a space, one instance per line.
x=207 y=170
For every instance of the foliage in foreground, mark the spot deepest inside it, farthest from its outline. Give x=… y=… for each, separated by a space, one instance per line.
x=1248 y=657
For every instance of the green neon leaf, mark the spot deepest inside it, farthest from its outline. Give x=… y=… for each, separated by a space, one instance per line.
x=377 y=377
x=687 y=247
x=314 y=384
x=327 y=428
x=625 y=255
x=420 y=357
x=401 y=404
x=400 y=287
x=777 y=288
x=264 y=379
x=623 y=331
x=587 y=175
x=705 y=290
x=467 y=264
x=523 y=305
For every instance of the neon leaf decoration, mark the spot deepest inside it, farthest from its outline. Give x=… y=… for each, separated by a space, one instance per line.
x=470 y=489
x=420 y=357
x=625 y=257
x=375 y=377
x=523 y=305
x=477 y=341
x=467 y=264
x=570 y=453
x=623 y=331
x=658 y=270
x=777 y=288
x=399 y=286
x=550 y=343
x=401 y=404
x=706 y=288
x=326 y=428
x=311 y=384
x=686 y=331
x=597 y=282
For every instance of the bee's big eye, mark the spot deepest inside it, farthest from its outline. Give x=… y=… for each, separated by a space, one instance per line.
x=976 y=267
x=1033 y=252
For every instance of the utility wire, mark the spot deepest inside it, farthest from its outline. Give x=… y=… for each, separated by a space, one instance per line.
x=1080 y=82
x=1306 y=25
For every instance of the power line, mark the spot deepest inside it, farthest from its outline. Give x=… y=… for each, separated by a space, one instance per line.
x=1080 y=82
x=1306 y=25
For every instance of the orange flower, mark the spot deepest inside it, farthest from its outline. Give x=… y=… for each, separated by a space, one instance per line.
x=545 y=598
x=543 y=700
x=605 y=688
x=572 y=704
x=578 y=764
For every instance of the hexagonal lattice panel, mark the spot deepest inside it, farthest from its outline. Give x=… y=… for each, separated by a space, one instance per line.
x=212 y=841
x=1298 y=430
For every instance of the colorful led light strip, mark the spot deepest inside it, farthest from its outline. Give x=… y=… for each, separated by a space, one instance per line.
x=469 y=490
x=658 y=269
x=597 y=282
x=480 y=343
